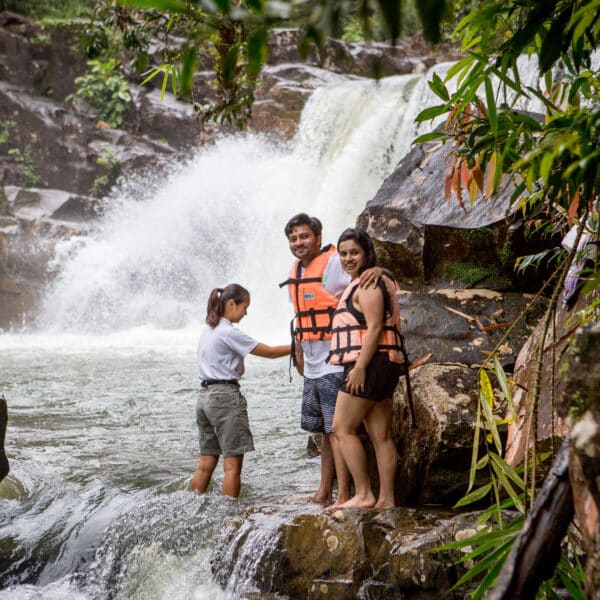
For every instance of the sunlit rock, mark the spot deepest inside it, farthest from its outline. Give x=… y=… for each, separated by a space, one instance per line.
x=423 y=236
x=316 y=555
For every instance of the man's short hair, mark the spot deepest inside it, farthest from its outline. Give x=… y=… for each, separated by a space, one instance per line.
x=303 y=219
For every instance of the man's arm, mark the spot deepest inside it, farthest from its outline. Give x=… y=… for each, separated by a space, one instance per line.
x=299 y=358
x=370 y=277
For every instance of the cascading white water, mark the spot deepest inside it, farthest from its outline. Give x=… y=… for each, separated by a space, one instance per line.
x=220 y=217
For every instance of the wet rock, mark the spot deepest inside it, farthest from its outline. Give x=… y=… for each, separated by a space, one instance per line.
x=366 y=59
x=316 y=555
x=580 y=400
x=282 y=93
x=165 y=119
x=26 y=248
x=43 y=60
x=435 y=454
x=420 y=235
x=460 y=326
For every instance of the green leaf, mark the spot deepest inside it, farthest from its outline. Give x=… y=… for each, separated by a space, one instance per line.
x=503 y=381
x=431 y=113
x=257 y=51
x=499 y=467
x=474 y=496
x=475 y=451
x=491 y=105
x=164 y=5
x=230 y=64
x=438 y=88
x=188 y=68
x=428 y=137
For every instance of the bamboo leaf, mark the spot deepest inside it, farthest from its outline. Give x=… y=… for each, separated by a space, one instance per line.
x=487 y=403
x=438 y=88
x=428 y=137
x=165 y=81
x=489 y=176
x=504 y=386
x=499 y=467
x=188 y=69
x=431 y=113
x=257 y=51
x=491 y=105
x=485 y=387
x=489 y=562
x=474 y=496
x=473 y=470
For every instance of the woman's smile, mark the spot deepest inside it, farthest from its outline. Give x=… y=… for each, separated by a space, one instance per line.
x=352 y=257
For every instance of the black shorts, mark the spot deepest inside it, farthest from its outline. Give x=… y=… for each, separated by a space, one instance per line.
x=381 y=378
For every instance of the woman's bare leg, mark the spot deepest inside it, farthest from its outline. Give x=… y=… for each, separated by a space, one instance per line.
x=232 y=468
x=201 y=478
x=379 y=424
x=342 y=474
x=349 y=414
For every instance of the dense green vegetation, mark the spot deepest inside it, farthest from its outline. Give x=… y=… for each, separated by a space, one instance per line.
x=50 y=9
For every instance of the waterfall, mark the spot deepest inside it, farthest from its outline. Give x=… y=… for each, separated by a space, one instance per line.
x=219 y=218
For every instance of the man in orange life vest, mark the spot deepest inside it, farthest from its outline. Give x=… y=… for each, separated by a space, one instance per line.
x=316 y=282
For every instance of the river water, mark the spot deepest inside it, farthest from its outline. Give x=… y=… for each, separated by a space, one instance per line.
x=101 y=388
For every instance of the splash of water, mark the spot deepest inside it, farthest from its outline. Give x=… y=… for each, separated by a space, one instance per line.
x=220 y=218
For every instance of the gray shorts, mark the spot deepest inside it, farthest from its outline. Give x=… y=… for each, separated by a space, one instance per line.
x=222 y=418
x=318 y=402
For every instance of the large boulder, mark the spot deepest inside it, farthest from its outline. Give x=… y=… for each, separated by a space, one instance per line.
x=580 y=400
x=423 y=236
x=53 y=146
x=460 y=326
x=43 y=60
x=283 y=91
x=367 y=554
x=38 y=220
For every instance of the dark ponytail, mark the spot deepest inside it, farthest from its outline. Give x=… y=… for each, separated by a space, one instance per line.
x=219 y=296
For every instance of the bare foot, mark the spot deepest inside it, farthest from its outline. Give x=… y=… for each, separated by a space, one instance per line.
x=337 y=504
x=359 y=502
x=385 y=504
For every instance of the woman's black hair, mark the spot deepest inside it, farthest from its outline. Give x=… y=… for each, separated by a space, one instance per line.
x=363 y=239
x=219 y=296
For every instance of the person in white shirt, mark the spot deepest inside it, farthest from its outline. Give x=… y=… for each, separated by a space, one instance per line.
x=221 y=411
x=316 y=282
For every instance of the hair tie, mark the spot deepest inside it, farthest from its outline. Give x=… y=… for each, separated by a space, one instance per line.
x=219 y=291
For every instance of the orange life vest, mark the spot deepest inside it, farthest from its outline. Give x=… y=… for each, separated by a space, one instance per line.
x=314 y=305
x=349 y=327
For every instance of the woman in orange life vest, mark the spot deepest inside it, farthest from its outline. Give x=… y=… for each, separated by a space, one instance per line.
x=366 y=340
x=221 y=412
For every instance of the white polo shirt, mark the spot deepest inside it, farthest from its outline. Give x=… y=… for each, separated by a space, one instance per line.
x=221 y=351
